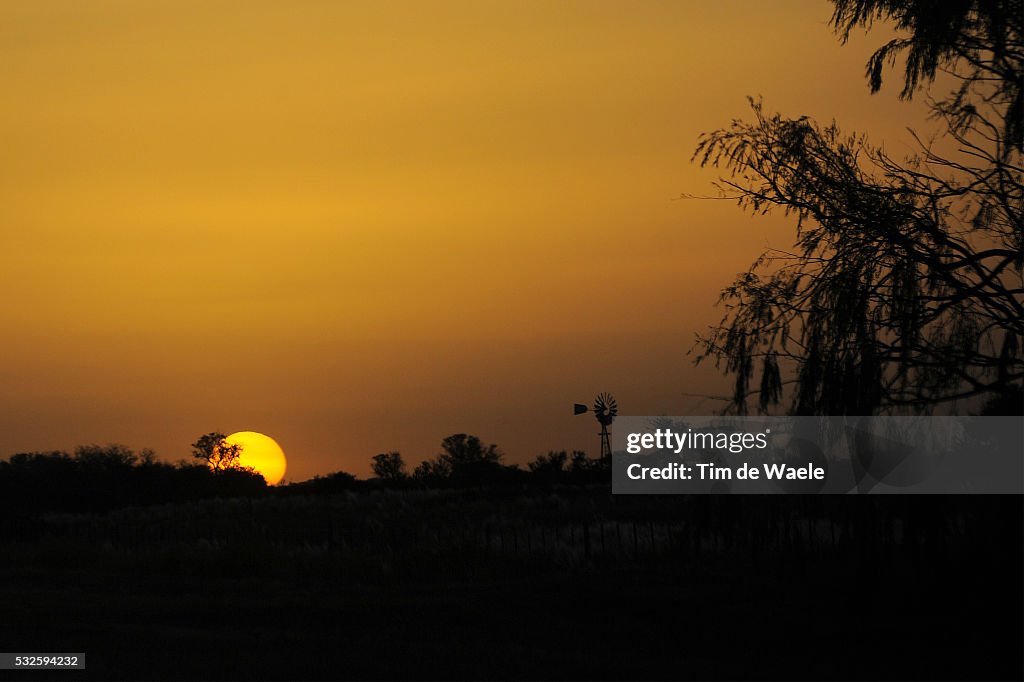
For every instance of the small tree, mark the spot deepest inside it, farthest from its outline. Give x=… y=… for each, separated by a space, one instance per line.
x=468 y=460
x=580 y=464
x=549 y=468
x=431 y=472
x=460 y=450
x=553 y=461
x=389 y=466
x=217 y=452
x=464 y=459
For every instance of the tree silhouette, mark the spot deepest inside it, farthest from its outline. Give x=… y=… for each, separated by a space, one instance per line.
x=464 y=460
x=217 y=452
x=431 y=472
x=333 y=483
x=468 y=460
x=389 y=466
x=550 y=467
x=904 y=289
x=563 y=467
x=977 y=40
x=100 y=478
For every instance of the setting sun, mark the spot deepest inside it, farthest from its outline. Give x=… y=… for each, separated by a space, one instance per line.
x=260 y=452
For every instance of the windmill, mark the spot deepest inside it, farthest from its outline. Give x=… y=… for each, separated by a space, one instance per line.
x=605 y=409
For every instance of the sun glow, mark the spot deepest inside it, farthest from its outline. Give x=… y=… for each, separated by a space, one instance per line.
x=260 y=452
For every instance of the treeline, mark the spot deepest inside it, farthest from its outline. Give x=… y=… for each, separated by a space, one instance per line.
x=464 y=462
x=100 y=478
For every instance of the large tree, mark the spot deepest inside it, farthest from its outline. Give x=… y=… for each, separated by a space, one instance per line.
x=903 y=290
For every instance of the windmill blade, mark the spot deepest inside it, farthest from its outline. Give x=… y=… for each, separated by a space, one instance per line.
x=605 y=408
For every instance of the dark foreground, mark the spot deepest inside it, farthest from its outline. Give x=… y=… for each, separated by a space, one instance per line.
x=565 y=585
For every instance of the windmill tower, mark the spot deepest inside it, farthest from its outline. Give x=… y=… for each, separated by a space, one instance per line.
x=605 y=410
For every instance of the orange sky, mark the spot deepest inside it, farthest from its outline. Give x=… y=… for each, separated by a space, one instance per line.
x=359 y=227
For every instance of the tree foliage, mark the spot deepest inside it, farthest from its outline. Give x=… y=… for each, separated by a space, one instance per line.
x=389 y=466
x=562 y=467
x=329 y=484
x=218 y=454
x=903 y=290
x=979 y=42
x=100 y=478
x=464 y=459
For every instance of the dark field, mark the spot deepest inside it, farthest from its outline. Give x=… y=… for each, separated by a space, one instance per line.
x=570 y=583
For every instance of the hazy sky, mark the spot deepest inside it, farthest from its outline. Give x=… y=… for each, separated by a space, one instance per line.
x=364 y=226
